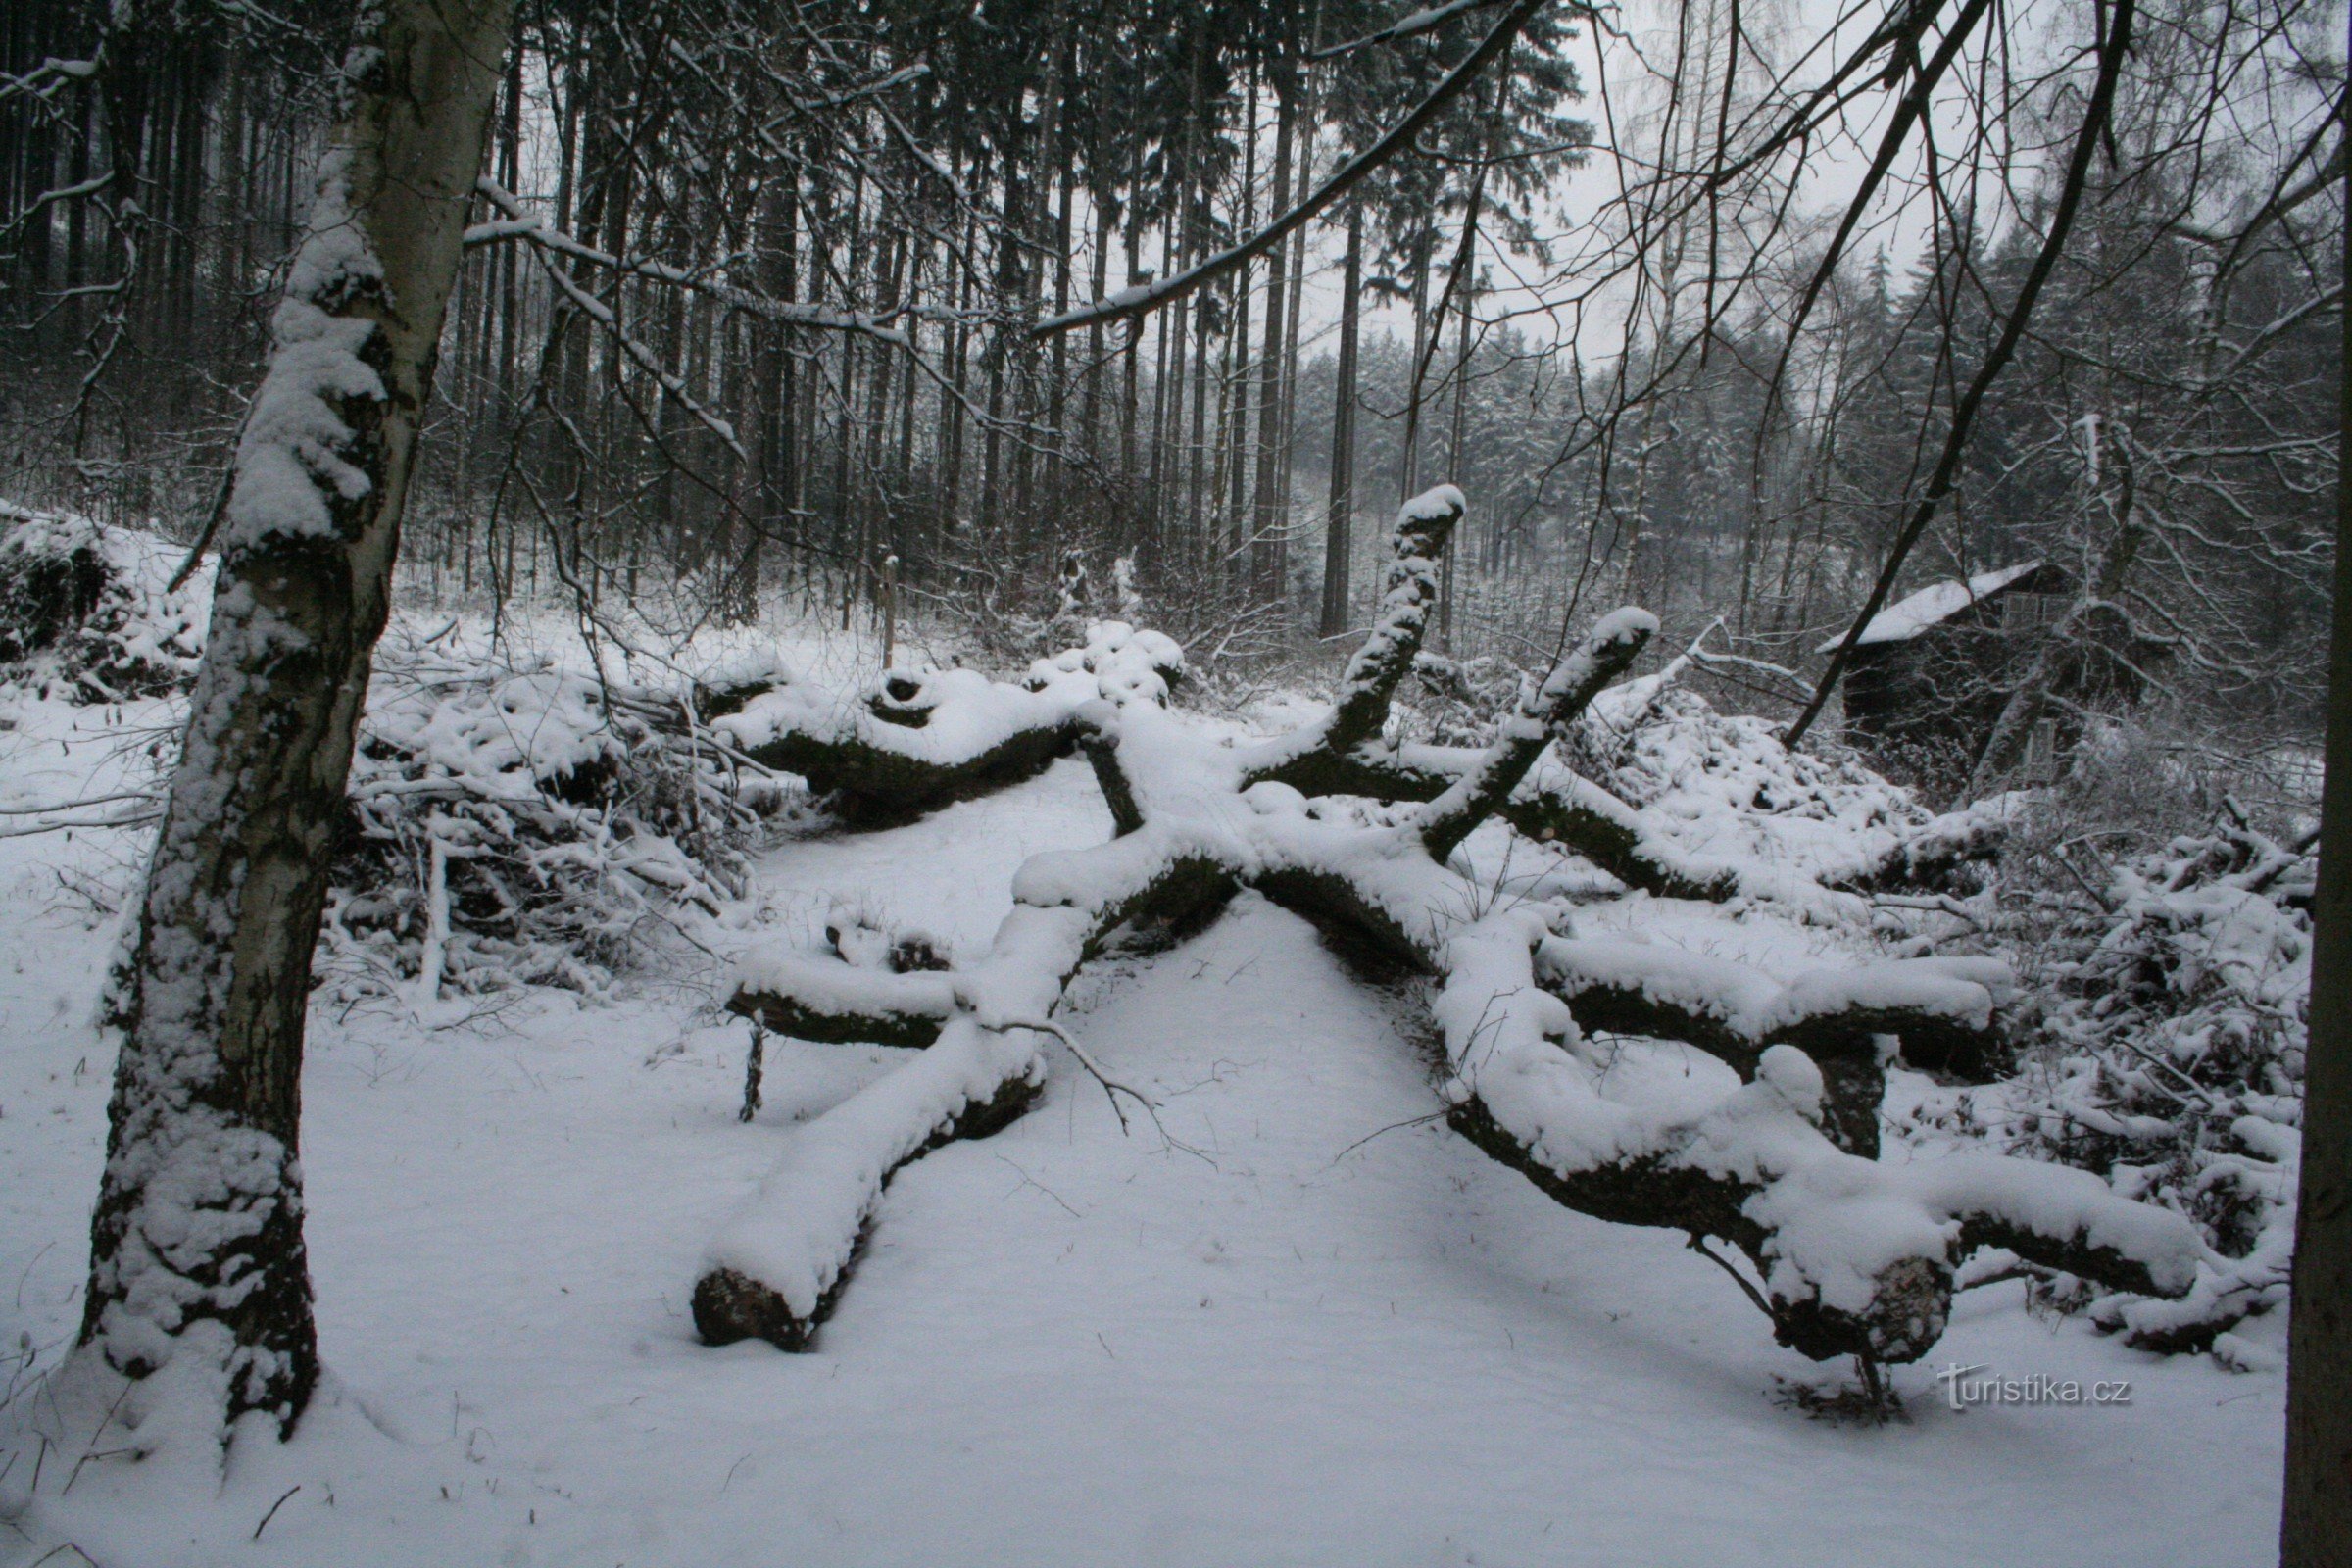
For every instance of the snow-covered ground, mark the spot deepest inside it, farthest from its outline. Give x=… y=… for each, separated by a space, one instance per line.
x=1335 y=1333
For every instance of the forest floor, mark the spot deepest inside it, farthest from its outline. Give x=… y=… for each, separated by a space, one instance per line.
x=1329 y=1332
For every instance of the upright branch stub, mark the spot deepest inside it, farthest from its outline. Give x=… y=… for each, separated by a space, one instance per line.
x=1325 y=758
x=1608 y=650
x=1423 y=525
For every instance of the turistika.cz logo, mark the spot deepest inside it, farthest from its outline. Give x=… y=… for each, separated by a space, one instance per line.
x=1964 y=1388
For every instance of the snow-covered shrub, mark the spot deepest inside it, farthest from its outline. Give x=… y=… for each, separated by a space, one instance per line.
x=1656 y=742
x=1130 y=663
x=2172 y=1020
x=1724 y=790
x=87 y=613
x=530 y=825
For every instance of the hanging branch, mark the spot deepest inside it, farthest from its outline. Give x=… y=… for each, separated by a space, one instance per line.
x=1144 y=298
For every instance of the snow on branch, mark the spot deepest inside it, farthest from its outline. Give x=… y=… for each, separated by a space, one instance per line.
x=1345 y=754
x=520 y=223
x=1427 y=20
x=924 y=737
x=1857 y=1257
x=1944 y=1010
x=777 y=1268
x=1605 y=653
x=1360 y=712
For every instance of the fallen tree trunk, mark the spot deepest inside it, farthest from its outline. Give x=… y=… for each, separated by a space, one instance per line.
x=1854 y=1256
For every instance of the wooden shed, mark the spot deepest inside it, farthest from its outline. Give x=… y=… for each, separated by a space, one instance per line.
x=1932 y=673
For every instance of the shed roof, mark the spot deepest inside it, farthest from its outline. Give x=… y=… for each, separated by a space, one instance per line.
x=1937 y=603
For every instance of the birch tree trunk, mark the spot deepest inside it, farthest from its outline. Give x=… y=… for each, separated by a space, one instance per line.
x=196 y=1248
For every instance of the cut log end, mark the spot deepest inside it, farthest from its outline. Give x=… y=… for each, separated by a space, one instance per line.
x=729 y=1306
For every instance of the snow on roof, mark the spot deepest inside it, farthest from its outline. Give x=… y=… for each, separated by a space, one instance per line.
x=1935 y=602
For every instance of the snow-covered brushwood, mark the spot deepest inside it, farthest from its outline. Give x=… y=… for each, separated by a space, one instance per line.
x=2173 y=1033
x=89 y=612
x=924 y=737
x=1724 y=784
x=511 y=826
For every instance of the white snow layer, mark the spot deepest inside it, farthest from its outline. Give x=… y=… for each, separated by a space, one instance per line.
x=1939 y=601
x=1343 y=1335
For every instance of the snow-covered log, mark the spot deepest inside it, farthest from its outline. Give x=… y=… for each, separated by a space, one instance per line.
x=776 y=1269
x=1775 y=1158
x=1944 y=1012
x=837 y=1003
x=1854 y=1256
x=924 y=738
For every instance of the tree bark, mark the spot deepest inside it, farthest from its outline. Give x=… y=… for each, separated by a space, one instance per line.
x=196 y=1246
x=2317 y=1526
x=1340 y=528
x=1272 y=506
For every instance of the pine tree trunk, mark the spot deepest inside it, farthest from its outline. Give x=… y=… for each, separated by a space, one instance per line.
x=1339 y=527
x=196 y=1246
x=1409 y=474
x=1270 y=516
